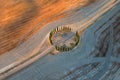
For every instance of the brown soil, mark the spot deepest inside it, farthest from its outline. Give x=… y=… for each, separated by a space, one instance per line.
x=19 y=17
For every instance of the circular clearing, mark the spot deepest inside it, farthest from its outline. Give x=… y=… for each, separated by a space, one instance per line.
x=63 y=38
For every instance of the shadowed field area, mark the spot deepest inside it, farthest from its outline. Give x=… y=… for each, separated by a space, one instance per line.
x=20 y=17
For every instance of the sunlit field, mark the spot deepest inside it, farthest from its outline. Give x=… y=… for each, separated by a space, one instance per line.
x=20 y=17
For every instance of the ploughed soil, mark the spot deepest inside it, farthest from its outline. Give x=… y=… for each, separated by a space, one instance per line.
x=19 y=17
